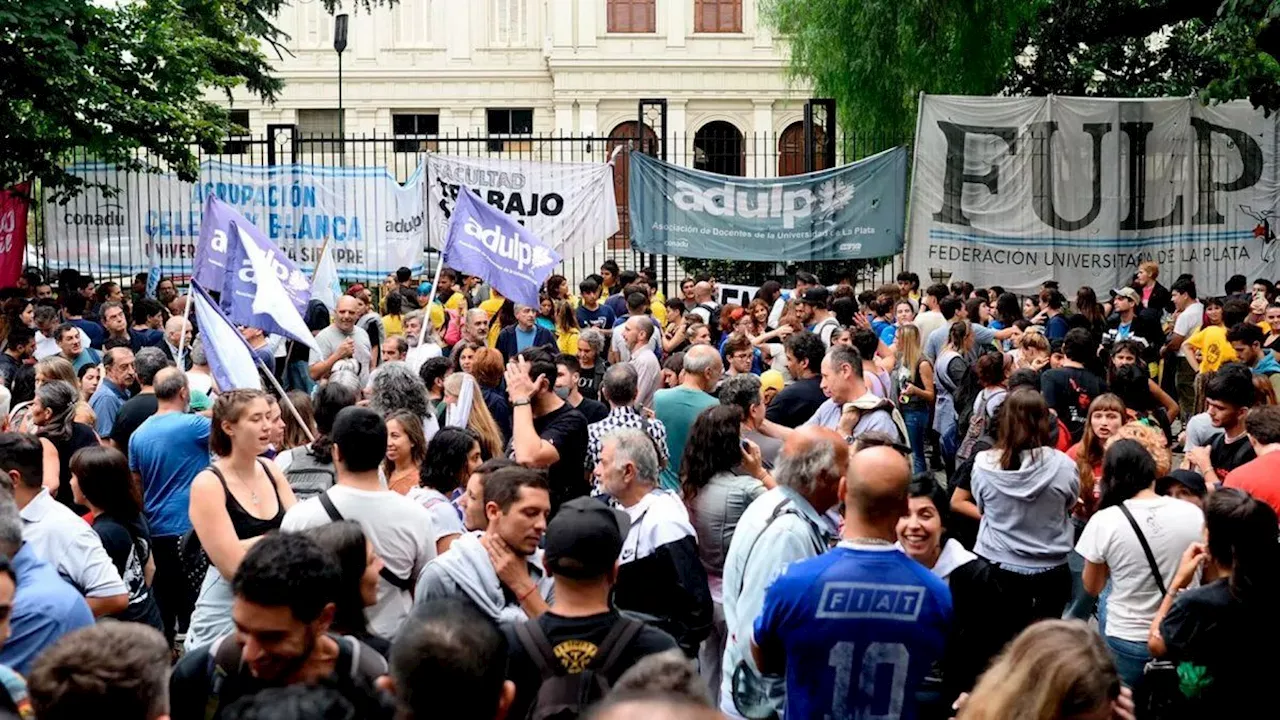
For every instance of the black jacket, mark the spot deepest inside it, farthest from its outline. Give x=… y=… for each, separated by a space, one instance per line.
x=506 y=342
x=1144 y=327
x=1161 y=302
x=667 y=587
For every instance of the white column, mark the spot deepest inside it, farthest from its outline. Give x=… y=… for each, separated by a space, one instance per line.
x=678 y=133
x=764 y=160
x=561 y=19
x=457 y=29
x=564 y=116
x=677 y=21
x=588 y=117
x=588 y=22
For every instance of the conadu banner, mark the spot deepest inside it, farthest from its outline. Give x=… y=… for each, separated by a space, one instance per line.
x=1016 y=191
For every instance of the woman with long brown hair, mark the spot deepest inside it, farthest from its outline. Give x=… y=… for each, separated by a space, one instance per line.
x=236 y=500
x=1054 y=670
x=488 y=369
x=916 y=390
x=1026 y=490
x=1106 y=416
x=467 y=409
x=406 y=451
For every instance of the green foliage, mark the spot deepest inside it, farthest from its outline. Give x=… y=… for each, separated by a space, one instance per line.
x=132 y=82
x=875 y=56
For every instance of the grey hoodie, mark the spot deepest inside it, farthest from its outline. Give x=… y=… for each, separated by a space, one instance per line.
x=1026 y=513
x=465 y=569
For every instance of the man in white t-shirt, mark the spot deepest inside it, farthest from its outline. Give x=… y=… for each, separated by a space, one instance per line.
x=930 y=316
x=1181 y=381
x=400 y=529
x=1112 y=551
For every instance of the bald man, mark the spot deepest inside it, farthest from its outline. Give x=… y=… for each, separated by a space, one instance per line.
x=707 y=309
x=784 y=525
x=341 y=342
x=863 y=610
x=637 y=334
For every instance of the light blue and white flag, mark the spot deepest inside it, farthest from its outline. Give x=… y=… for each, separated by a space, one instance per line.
x=254 y=294
x=230 y=359
x=324 y=283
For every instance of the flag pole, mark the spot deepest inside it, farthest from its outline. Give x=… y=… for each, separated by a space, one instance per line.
x=323 y=249
x=426 y=321
x=284 y=397
x=186 y=319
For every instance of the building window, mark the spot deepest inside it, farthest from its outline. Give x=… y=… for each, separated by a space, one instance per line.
x=510 y=22
x=508 y=122
x=238 y=135
x=315 y=126
x=413 y=130
x=717 y=16
x=632 y=16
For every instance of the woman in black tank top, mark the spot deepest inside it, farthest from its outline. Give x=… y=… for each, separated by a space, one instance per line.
x=237 y=499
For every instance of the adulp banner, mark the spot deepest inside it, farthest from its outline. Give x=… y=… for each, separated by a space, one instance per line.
x=1016 y=191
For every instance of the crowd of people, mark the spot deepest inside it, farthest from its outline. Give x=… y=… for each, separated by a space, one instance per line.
x=904 y=502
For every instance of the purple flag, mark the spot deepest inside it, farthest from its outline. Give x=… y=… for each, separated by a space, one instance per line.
x=218 y=240
x=488 y=243
x=261 y=303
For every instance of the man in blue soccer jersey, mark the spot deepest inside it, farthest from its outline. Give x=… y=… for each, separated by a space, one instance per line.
x=856 y=629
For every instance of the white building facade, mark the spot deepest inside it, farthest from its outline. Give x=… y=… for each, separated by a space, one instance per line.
x=541 y=68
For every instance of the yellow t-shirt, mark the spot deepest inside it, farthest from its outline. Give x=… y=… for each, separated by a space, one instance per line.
x=394 y=324
x=568 y=341
x=1213 y=346
x=456 y=302
x=659 y=311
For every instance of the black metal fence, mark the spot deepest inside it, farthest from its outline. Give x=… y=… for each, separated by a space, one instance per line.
x=718 y=147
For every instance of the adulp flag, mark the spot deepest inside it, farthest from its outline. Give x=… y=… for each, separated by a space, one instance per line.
x=13 y=233
x=486 y=242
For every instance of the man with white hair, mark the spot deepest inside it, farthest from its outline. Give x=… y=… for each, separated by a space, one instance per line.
x=659 y=572
x=342 y=341
x=525 y=334
x=475 y=326
x=785 y=524
x=679 y=406
x=174 y=328
x=637 y=334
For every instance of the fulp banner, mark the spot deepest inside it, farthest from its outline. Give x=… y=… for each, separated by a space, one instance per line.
x=849 y=212
x=1016 y=191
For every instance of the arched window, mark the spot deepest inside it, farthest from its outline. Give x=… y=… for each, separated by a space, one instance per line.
x=718 y=148
x=628 y=136
x=791 y=150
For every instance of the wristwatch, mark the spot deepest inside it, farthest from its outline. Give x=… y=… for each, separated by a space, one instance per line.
x=518 y=403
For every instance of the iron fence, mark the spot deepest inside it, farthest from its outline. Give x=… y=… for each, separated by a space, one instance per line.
x=717 y=147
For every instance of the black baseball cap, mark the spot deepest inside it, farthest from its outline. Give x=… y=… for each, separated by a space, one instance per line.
x=1189 y=479
x=817 y=295
x=584 y=539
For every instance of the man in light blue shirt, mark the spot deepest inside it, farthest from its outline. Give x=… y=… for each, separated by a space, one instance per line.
x=782 y=526
x=45 y=607
x=117 y=376
x=953 y=309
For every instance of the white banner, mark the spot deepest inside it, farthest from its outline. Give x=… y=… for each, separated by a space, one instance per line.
x=570 y=206
x=373 y=224
x=1016 y=191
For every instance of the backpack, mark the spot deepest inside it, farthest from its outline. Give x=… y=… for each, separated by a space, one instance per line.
x=713 y=321
x=308 y=476
x=565 y=696
x=978 y=428
x=225 y=668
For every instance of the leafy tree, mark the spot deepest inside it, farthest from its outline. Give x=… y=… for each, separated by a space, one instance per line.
x=131 y=82
x=875 y=56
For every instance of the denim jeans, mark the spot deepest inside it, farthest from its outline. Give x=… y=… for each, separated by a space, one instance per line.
x=917 y=421
x=1130 y=658
x=1082 y=604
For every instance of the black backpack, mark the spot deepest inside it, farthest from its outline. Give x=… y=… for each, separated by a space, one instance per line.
x=565 y=696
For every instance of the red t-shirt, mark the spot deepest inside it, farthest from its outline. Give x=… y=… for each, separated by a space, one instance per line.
x=1260 y=478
